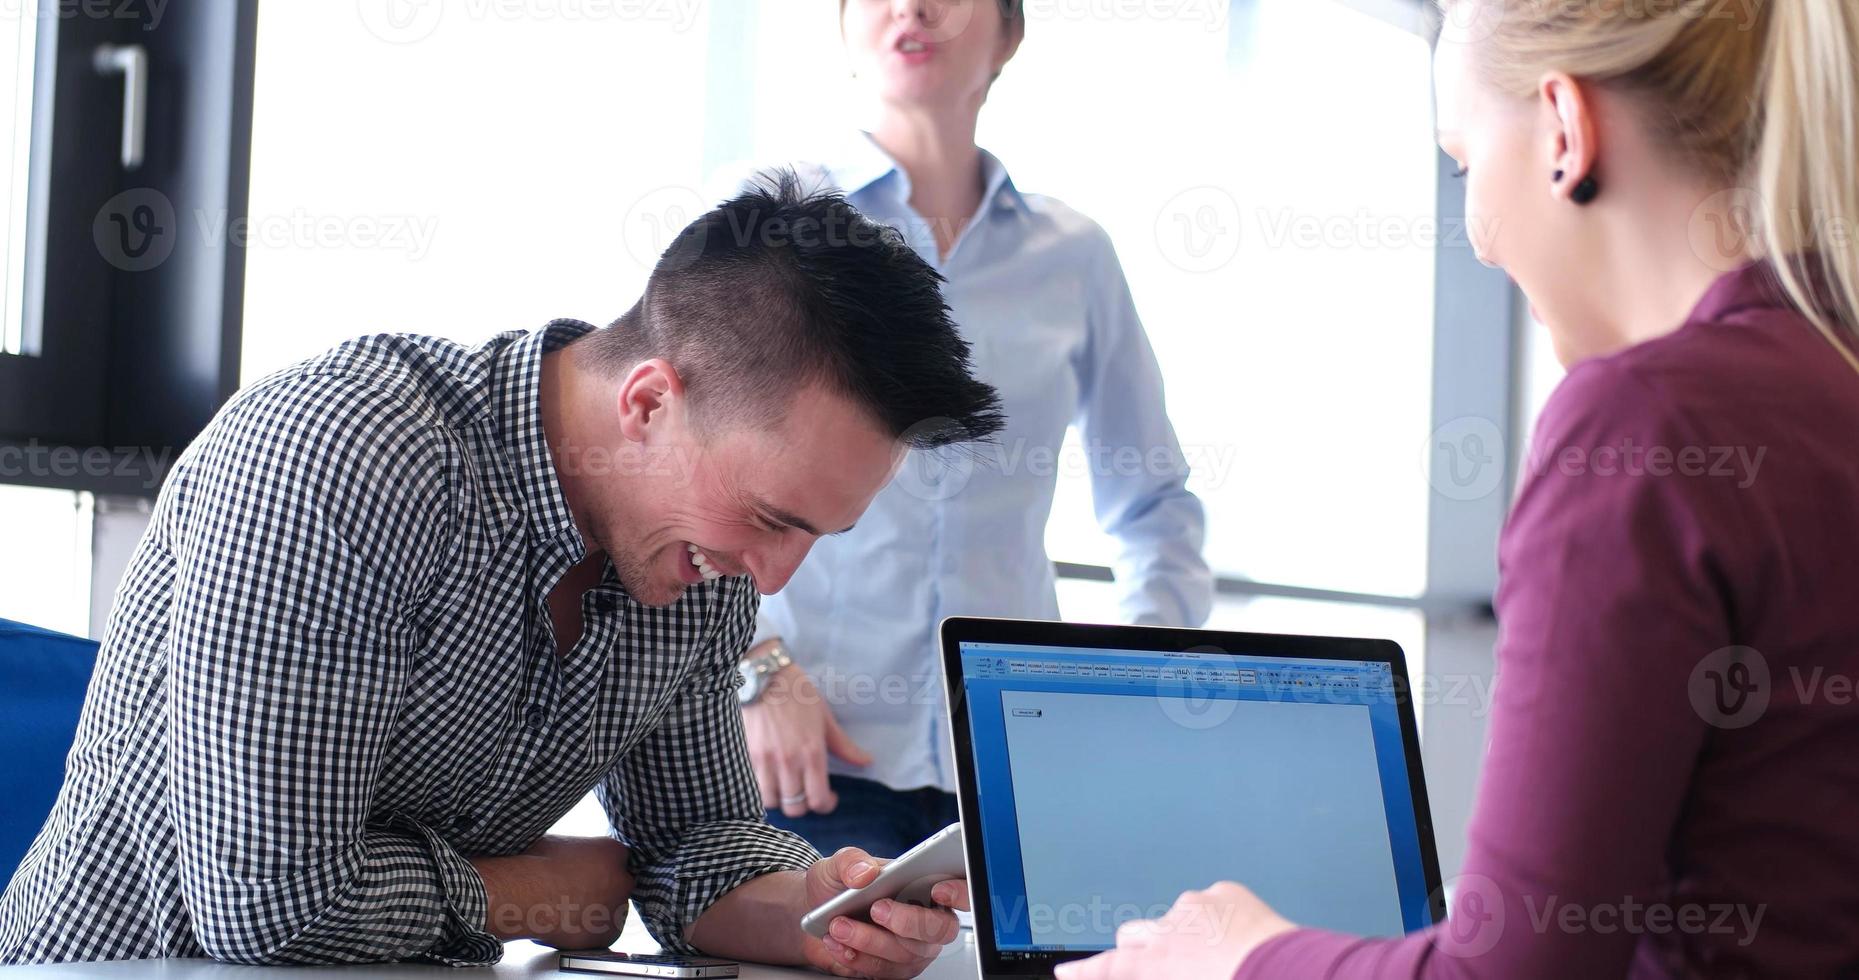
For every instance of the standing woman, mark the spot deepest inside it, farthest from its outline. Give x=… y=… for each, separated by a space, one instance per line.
x=1672 y=788
x=847 y=667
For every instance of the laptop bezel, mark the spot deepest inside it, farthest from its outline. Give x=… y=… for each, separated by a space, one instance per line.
x=958 y=630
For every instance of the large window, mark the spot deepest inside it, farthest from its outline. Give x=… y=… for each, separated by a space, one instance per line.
x=1286 y=286
x=470 y=169
x=1285 y=280
x=1281 y=251
x=474 y=168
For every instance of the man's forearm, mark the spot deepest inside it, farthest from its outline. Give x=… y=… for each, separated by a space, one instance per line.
x=758 y=920
x=566 y=892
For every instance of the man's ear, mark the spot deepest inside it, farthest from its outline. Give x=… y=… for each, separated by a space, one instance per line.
x=647 y=397
x=1569 y=117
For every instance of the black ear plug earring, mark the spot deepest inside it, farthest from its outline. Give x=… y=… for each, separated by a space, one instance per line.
x=1585 y=191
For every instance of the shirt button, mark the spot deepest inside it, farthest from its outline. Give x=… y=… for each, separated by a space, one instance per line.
x=533 y=717
x=464 y=822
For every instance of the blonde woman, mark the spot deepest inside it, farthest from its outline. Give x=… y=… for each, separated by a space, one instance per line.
x=1672 y=784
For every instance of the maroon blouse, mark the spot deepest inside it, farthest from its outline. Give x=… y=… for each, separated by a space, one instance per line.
x=1672 y=782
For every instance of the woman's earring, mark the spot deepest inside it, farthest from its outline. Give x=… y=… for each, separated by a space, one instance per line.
x=1585 y=191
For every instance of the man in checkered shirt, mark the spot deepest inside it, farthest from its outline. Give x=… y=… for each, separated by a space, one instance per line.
x=402 y=605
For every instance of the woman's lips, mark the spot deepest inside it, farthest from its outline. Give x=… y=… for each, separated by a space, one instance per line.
x=913 y=51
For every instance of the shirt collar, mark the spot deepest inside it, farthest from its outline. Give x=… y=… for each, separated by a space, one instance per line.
x=517 y=383
x=1755 y=285
x=862 y=163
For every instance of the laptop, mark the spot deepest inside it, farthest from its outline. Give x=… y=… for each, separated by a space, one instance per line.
x=1104 y=770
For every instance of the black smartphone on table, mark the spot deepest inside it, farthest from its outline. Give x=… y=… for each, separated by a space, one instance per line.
x=647 y=964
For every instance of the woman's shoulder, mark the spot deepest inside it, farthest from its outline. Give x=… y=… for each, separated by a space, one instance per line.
x=1725 y=367
x=1054 y=225
x=1764 y=379
x=1064 y=219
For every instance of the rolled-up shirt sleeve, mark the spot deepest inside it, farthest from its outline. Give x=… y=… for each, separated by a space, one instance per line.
x=685 y=801
x=312 y=517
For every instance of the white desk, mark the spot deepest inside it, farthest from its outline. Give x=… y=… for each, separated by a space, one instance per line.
x=521 y=959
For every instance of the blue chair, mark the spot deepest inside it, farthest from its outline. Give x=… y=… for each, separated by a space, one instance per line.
x=43 y=676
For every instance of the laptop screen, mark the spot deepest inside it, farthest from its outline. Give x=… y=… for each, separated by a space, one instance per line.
x=1108 y=782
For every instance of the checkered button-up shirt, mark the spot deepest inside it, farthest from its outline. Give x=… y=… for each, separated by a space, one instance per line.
x=330 y=676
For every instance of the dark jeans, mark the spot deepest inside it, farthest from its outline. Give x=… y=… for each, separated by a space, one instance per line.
x=884 y=822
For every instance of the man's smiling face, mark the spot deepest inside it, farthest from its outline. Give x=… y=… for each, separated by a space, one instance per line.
x=816 y=346
x=737 y=499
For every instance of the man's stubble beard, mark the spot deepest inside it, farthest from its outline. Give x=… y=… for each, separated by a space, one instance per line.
x=633 y=564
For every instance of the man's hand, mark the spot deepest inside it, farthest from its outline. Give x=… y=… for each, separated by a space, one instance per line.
x=790 y=729
x=1205 y=936
x=900 y=941
x=566 y=892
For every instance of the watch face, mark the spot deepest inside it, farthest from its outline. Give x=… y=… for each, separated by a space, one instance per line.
x=751 y=683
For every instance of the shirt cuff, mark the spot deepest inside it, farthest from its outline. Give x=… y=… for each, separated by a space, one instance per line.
x=711 y=860
x=462 y=939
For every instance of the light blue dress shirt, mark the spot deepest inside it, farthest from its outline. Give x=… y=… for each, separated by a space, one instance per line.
x=1037 y=290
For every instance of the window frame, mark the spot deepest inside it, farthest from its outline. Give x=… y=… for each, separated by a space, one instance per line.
x=123 y=365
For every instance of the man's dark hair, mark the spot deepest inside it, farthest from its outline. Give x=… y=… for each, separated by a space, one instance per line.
x=781 y=287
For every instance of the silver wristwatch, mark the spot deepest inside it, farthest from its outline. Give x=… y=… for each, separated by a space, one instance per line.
x=758 y=670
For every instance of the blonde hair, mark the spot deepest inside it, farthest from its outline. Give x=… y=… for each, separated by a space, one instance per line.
x=1764 y=95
